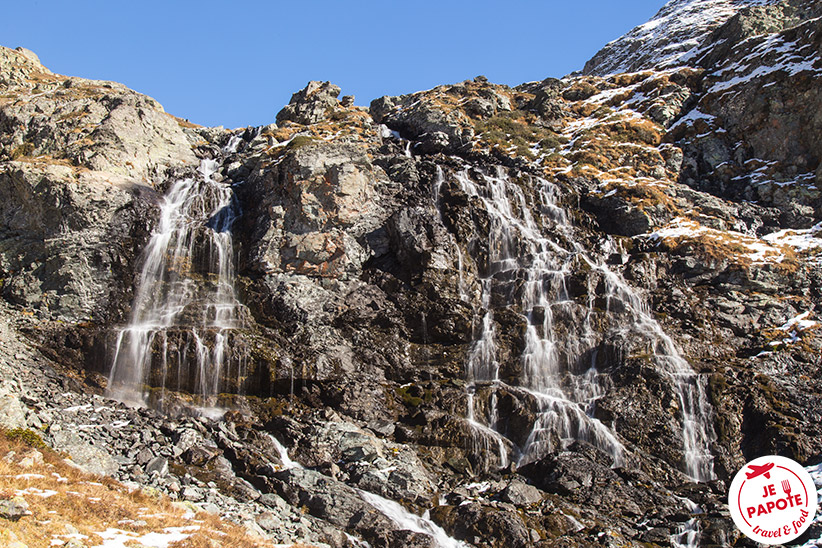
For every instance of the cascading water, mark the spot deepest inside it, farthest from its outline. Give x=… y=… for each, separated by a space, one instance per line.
x=405 y=520
x=687 y=535
x=530 y=271
x=517 y=250
x=689 y=532
x=394 y=511
x=185 y=309
x=697 y=429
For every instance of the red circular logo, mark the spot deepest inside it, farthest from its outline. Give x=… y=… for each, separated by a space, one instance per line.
x=772 y=500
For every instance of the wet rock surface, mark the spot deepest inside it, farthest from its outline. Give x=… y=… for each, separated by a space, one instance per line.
x=392 y=262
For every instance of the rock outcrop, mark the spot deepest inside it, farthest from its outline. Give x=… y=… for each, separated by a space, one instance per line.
x=79 y=159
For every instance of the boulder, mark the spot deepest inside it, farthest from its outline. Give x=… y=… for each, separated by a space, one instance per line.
x=12 y=410
x=13 y=509
x=91 y=458
x=521 y=494
x=312 y=104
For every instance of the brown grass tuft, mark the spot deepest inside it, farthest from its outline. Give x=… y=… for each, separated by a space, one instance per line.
x=92 y=505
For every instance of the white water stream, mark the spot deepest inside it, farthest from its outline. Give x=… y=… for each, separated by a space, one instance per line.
x=405 y=520
x=529 y=270
x=185 y=307
x=687 y=535
x=402 y=518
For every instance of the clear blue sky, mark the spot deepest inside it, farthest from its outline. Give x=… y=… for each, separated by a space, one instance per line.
x=237 y=63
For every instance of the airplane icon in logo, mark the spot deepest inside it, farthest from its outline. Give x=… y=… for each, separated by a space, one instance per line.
x=756 y=471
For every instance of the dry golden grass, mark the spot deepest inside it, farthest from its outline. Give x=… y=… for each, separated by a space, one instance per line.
x=60 y=495
x=183 y=122
x=586 y=110
x=350 y=124
x=717 y=246
x=643 y=193
x=630 y=78
x=46 y=160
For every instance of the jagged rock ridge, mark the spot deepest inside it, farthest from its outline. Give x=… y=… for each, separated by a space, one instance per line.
x=675 y=35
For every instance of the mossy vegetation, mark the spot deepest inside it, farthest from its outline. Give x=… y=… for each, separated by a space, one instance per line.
x=26 y=436
x=519 y=132
x=301 y=141
x=24 y=150
x=404 y=393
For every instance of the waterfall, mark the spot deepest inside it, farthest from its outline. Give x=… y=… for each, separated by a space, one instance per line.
x=405 y=520
x=517 y=250
x=185 y=310
x=687 y=535
x=689 y=388
x=287 y=463
x=689 y=532
x=402 y=518
x=527 y=270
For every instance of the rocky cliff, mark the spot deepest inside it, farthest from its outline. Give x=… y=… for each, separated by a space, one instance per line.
x=560 y=314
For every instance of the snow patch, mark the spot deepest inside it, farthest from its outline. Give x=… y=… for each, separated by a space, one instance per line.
x=117 y=538
x=669 y=39
x=42 y=493
x=808 y=241
x=752 y=249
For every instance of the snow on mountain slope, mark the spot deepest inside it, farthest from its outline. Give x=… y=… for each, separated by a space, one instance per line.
x=675 y=31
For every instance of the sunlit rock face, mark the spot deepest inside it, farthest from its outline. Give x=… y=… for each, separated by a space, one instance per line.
x=554 y=313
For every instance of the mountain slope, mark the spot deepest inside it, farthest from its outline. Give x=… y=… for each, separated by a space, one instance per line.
x=561 y=314
x=671 y=38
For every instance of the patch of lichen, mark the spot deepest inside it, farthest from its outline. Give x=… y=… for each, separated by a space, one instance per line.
x=21 y=151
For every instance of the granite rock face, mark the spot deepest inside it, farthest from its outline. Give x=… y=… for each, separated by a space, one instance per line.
x=311 y=104
x=78 y=160
x=503 y=305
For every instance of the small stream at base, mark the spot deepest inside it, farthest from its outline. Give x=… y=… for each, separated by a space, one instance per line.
x=396 y=512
